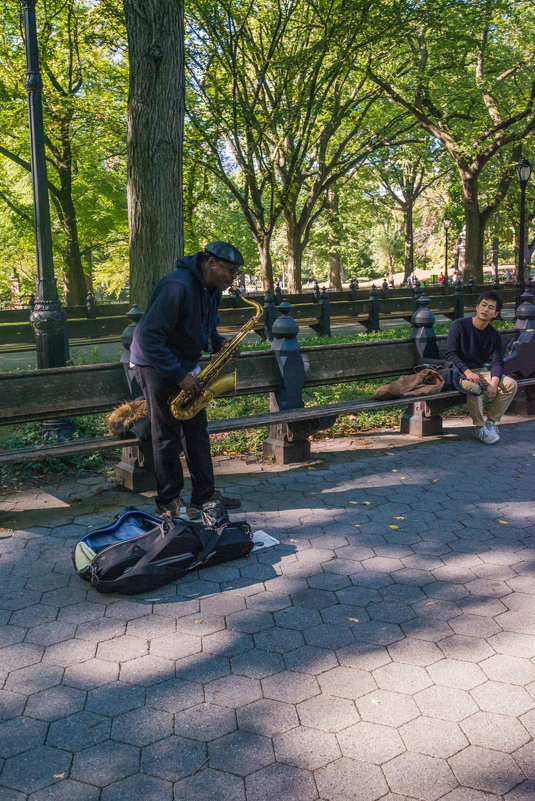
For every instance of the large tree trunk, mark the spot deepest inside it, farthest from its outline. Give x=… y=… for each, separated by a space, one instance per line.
x=475 y=230
x=154 y=143
x=295 y=251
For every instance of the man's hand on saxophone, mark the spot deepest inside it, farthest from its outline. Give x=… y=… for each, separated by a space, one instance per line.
x=190 y=386
x=235 y=352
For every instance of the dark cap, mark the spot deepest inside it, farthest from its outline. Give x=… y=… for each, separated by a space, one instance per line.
x=225 y=251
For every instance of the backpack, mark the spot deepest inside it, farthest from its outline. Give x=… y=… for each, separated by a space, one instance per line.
x=139 y=552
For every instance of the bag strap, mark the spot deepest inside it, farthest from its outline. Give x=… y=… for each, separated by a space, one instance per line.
x=170 y=532
x=208 y=545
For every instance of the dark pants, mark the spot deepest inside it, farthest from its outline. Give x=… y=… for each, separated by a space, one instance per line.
x=168 y=436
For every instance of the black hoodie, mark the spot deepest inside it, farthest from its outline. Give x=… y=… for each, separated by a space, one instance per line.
x=179 y=323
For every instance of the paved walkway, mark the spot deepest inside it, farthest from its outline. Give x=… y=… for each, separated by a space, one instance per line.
x=386 y=650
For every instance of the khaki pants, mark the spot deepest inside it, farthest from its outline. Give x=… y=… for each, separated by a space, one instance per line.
x=497 y=406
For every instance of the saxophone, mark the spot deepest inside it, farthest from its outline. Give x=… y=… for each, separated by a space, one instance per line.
x=184 y=407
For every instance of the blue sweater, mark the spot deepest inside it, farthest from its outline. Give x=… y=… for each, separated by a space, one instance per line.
x=179 y=323
x=468 y=347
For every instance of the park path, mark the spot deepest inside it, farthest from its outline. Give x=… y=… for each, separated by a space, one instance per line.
x=384 y=651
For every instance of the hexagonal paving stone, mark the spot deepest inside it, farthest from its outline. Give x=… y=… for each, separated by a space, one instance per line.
x=128 y=610
x=146 y=670
x=369 y=742
x=33 y=679
x=503 y=699
x=283 y=782
x=521 y=622
x=21 y=655
x=200 y=625
x=290 y=687
x=499 y=732
x=486 y=770
x=55 y=703
x=309 y=659
x=142 y=726
x=120 y=649
x=105 y=763
x=267 y=717
x=241 y=753
x=174 y=695
x=175 y=646
x=415 y=652
x=100 y=630
x=90 y=674
x=11 y=704
x=210 y=784
x=257 y=664
x=327 y=713
x=199 y=669
x=313 y=599
x=113 y=699
x=513 y=644
x=347 y=682
x=205 y=722
x=21 y=734
x=474 y=626
x=233 y=691
x=433 y=737
x=525 y=759
x=509 y=669
x=468 y=649
x=401 y=678
x=423 y=777
x=78 y=731
x=150 y=626
x=279 y=639
x=31 y=770
x=50 y=633
x=347 y=779
x=227 y=643
x=455 y=673
x=250 y=621
x=173 y=758
x=138 y=786
x=363 y=655
x=304 y=747
x=388 y=708
x=447 y=703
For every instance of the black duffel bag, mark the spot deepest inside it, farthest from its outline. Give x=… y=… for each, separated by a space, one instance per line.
x=140 y=552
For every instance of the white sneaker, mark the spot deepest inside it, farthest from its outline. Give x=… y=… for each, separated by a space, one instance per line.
x=487 y=436
x=491 y=425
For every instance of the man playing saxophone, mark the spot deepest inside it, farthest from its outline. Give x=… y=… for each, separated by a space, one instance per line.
x=180 y=322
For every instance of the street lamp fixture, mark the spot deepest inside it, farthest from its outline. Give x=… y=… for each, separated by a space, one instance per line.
x=447 y=224
x=523 y=171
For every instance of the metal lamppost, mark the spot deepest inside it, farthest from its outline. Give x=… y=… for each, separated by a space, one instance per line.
x=447 y=224
x=47 y=317
x=523 y=170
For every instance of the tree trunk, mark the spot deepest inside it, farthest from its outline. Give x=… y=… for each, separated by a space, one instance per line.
x=475 y=230
x=75 y=284
x=335 y=258
x=409 y=239
x=295 y=251
x=264 y=254
x=154 y=141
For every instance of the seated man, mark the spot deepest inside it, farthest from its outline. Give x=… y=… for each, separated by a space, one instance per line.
x=475 y=348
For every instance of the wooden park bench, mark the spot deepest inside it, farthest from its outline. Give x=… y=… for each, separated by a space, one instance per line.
x=39 y=395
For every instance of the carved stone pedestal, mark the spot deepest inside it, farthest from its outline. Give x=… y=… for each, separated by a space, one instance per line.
x=276 y=446
x=420 y=420
x=135 y=470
